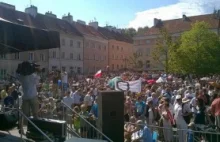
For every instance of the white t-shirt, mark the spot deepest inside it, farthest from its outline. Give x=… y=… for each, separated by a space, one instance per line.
x=68 y=101
x=76 y=97
x=88 y=100
x=64 y=78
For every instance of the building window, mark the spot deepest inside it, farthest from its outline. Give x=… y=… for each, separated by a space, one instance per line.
x=54 y=54
x=54 y=68
x=122 y=66
x=78 y=44
x=71 y=43
x=71 y=55
x=42 y=57
x=113 y=57
x=78 y=70
x=31 y=56
x=79 y=57
x=2 y=56
x=63 y=68
x=147 y=64
x=117 y=48
x=63 y=55
x=113 y=66
x=99 y=47
x=87 y=44
x=121 y=48
x=113 y=47
x=17 y=56
x=3 y=73
x=117 y=66
x=147 y=51
x=147 y=41
x=117 y=57
x=63 y=42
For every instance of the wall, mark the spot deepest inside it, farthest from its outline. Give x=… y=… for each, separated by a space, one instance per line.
x=69 y=45
x=95 y=54
x=119 y=54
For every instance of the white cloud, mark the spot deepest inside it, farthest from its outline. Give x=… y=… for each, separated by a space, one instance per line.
x=174 y=11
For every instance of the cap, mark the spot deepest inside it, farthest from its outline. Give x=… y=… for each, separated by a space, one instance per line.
x=178 y=97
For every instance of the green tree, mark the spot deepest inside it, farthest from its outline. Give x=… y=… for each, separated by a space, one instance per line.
x=161 y=52
x=142 y=30
x=135 y=60
x=131 y=32
x=198 y=52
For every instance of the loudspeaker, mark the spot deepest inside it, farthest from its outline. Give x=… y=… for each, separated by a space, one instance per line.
x=8 y=120
x=111 y=114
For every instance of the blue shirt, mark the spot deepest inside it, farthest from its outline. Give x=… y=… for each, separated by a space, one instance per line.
x=147 y=135
x=140 y=106
x=94 y=110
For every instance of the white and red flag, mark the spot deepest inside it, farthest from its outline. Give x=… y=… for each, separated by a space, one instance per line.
x=98 y=74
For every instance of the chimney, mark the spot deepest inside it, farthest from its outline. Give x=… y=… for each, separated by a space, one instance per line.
x=32 y=10
x=5 y=5
x=81 y=22
x=184 y=17
x=50 y=14
x=94 y=25
x=68 y=18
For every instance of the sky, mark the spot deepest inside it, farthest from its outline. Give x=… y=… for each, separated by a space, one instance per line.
x=121 y=13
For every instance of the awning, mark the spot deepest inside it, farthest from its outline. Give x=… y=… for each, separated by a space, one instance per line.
x=20 y=38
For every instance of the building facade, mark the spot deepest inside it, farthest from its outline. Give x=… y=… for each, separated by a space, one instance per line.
x=95 y=47
x=144 y=43
x=120 y=48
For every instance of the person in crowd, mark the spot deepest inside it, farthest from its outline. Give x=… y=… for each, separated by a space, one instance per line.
x=140 y=108
x=83 y=124
x=180 y=122
x=215 y=110
x=149 y=114
x=88 y=100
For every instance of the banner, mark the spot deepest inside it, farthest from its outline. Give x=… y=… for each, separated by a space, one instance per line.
x=133 y=86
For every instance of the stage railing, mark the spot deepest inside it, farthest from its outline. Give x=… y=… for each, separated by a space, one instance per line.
x=22 y=115
x=196 y=134
x=86 y=127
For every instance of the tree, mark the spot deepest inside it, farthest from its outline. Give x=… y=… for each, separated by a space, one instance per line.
x=135 y=61
x=131 y=32
x=142 y=30
x=198 y=52
x=161 y=51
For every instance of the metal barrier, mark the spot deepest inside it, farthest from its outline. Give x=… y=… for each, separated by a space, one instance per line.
x=84 y=127
x=25 y=117
x=170 y=134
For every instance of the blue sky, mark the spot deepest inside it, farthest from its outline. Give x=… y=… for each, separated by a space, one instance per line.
x=121 y=13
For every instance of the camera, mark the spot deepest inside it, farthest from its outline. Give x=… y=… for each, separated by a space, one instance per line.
x=26 y=68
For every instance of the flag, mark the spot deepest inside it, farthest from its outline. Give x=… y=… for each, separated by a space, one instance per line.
x=133 y=86
x=98 y=74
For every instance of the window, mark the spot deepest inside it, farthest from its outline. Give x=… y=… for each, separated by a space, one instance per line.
x=63 y=55
x=99 y=47
x=147 y=64
x=54 y=68
x=54 y=54
x=122 y=56
x=63 y=42
x=79 y=57
x=31 y=56
x=113 y=57
x=2 y=56
x=3 y=73
x=93 y=56
x=117 y=66
x=78 y=70
x=113 y=47
x=63 y=68
x=117 y=57
x=147 y=51
x=104 y=47
x=117 y=48
x=122 y=66
x=42 y=57
x=113 y=66
x=147 y=41
x=71 y=55
x=87 y=44
x=78 y=44
x=17 y=56
x=71 y=69
x=71 y=43
x=121 y=48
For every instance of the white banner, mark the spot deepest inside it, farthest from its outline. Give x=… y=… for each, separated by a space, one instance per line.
x=133 y=86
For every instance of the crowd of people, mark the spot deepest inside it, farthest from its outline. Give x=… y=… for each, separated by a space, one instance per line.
x=176 y=102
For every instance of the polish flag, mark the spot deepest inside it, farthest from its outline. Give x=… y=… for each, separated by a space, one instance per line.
x=98 y=74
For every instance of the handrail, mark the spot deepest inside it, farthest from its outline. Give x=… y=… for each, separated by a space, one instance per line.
x=48 y=138
x=87 y=122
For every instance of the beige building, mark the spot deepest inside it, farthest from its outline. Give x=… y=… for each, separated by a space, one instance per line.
x=144 y=43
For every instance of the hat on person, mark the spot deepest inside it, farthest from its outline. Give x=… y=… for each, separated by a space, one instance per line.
x=149 y=99
x=178 y=97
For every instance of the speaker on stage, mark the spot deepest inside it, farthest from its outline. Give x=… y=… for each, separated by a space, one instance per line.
x=111 y=114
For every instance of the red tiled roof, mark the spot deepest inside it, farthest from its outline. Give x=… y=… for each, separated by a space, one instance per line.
x=180 y=25
x=87 y=30
x=114 y=35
